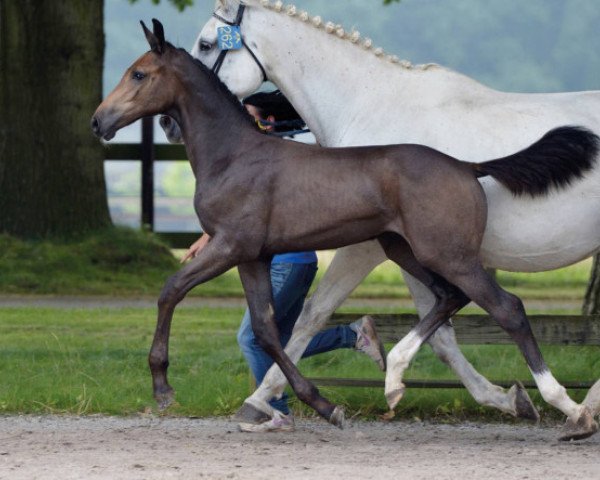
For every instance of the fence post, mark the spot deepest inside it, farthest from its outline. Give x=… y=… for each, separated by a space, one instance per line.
x=147 y=154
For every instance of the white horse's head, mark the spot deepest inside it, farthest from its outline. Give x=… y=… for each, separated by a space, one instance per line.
x=241 y=70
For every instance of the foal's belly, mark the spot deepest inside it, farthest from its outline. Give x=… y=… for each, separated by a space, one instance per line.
x=530 y=235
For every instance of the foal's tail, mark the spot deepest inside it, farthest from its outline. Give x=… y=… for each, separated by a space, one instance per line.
x=559 y=157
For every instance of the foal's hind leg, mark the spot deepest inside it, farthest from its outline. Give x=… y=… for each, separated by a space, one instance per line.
x=514 y=401
x=349 y=266
x=508 y=311
x=256 y=280
x=448 y=300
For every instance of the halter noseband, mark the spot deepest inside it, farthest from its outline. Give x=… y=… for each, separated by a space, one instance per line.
x=238 y=20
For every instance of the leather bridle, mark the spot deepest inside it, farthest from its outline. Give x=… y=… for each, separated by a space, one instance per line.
x=238 y=20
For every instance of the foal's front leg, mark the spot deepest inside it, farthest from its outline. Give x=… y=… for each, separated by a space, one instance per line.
x=213 y=260
x=347 y=269
x=256 y=280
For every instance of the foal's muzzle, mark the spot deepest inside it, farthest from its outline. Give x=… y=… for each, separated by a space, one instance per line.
x=96 y=125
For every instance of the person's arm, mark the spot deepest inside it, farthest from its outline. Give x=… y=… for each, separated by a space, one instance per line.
x=196 y=247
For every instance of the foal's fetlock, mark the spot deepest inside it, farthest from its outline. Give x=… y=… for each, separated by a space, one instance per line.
x=524 y=407
x=584 y=427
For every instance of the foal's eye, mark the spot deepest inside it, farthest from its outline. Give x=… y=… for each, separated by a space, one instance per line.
x=204 y=46
x=138 y=75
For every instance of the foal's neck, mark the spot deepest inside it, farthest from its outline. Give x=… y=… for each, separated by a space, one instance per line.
x=215 y=129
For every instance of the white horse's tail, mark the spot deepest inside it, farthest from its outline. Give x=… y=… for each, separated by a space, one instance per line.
x=559 y=157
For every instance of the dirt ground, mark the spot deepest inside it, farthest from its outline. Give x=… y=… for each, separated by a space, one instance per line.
x=97 y=447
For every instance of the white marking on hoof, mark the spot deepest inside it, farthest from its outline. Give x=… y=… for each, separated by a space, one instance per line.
x=556 y=395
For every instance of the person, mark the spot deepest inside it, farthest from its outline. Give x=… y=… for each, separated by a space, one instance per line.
x=292 y=275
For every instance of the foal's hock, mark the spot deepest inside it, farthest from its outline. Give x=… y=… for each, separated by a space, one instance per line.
x=257 y=196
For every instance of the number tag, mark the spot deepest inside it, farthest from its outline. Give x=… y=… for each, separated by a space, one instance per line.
x=229 y=37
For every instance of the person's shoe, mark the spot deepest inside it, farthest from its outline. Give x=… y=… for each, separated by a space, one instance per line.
x=279 y=423
x=367 y=340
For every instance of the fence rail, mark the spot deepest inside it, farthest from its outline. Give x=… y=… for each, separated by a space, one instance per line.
x=477 y=330
x=147 y=152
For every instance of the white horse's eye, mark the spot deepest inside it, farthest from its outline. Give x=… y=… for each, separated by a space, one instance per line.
x=205 y=46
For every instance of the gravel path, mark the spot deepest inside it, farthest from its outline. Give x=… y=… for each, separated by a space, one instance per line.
x=56 y=447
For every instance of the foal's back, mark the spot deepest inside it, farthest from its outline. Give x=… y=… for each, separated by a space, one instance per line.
x=347 y=195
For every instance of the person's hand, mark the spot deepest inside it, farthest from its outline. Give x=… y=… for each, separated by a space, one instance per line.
x=195 y=248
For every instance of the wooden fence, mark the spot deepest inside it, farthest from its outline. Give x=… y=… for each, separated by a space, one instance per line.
x=478 y=330
x=147 y=153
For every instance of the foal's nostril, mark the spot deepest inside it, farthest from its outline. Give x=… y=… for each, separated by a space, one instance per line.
x=95 y=124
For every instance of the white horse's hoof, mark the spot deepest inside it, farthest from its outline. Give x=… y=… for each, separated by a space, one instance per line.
x=392 y=398
x=524 y=407
x=338 y=417
x=248 y=413
x=585 y=427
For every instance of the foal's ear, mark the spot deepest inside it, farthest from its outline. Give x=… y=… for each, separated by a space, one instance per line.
x=156 y=39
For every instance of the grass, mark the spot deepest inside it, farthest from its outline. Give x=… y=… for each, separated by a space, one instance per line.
x=94 y=361
x=115 y=261
x=127 y=262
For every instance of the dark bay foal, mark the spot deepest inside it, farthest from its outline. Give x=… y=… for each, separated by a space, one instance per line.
x=257 y=196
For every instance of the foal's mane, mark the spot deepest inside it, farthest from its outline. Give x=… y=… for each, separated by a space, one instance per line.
x=352 y=36
x=215 y=81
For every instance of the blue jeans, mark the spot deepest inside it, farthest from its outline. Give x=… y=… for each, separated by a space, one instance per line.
x=290 y=283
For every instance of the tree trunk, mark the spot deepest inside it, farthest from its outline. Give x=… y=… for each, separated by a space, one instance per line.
x=51 y=166
x=591 y=304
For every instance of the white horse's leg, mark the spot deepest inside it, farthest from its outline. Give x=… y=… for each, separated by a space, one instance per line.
x=349 y=267
x=592 y=399
x=515 y=401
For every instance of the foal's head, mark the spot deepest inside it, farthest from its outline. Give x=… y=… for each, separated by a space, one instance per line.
x=150 y=86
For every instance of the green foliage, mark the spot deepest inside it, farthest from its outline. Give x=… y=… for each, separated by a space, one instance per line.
x=178 y=181
x=180 y=5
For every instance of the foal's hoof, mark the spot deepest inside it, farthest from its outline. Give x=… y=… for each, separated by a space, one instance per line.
x=248 y=413
x=164 y=399
x=338 y=417
x=523 y=404
x=585 y=427
x=394 y=397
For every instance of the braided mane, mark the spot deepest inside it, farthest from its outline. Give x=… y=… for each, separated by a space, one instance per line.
x=352 y=36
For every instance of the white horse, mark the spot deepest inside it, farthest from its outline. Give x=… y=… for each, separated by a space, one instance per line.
x=350 y=93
